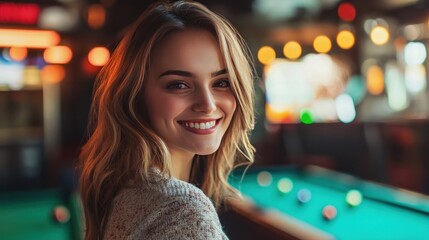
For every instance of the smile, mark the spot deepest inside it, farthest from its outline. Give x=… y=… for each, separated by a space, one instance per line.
x=200 y=126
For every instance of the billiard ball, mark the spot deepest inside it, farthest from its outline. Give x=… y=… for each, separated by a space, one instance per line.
x=304 y=195
x=285 y=185
x=329 y=212
x=61 y=214
x=354 y=198
x=264 y=179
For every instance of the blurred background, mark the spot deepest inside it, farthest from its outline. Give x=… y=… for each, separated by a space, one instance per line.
x=341 y=84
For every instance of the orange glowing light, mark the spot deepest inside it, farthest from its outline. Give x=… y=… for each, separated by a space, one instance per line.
x=98 y=56
x=28 y=38
x=279 y=116
x=18 y=53
x=58 y=55
x=292 y=50
x=266 y=55
x=96 y=16
x=322 y=44
x=375 y=80
x=345 y=39
x=53 y=73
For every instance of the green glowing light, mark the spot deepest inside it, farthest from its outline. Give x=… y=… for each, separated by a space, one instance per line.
x=306 y=116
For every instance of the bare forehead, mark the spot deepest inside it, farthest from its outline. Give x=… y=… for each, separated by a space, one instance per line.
x=189 y=43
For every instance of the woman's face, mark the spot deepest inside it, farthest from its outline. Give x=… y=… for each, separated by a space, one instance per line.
x=188 y=96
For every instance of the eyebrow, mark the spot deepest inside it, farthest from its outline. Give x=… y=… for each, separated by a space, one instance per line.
x=188 y=74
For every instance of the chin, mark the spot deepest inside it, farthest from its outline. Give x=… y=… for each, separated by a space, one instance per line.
x=207 y=150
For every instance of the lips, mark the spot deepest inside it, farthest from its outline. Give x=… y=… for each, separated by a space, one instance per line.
x=204 y=126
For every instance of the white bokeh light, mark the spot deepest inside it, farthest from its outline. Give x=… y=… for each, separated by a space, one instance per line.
x=415 y=53
x=345 y=108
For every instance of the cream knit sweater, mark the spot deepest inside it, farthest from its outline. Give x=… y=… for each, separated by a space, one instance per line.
x=165 y=209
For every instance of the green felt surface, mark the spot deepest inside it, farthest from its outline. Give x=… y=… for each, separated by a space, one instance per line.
x=29 y=215
x=385 y=213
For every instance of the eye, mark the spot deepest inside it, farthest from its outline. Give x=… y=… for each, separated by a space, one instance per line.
x=177 y=85
x=222 y=83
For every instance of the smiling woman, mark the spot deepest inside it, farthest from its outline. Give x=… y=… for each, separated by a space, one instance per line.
x=182 y=104
x=171 y=113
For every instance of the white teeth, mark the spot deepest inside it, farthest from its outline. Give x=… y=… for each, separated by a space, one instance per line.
x=202 y=125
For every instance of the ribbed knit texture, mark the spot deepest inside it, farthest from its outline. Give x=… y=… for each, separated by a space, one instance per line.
x=164 y=209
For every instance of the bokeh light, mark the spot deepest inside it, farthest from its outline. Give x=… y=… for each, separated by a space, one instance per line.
x=28 y=38
x=21 y=13
x=413 y=31
x=266 y=55
x=279 y=114
x=345 y=108
x=53 y=73
x=96 y=16
x=59 y=17
x=415 y=53
x=292 y=50
x=395 y=87
x=58 y=55
x=31 y=76
x=415 y=78
x=306 y=116
x=379 y=35
x=98 y=56
x=347 y=12
x=375 y=80
x=18 y=53
x=322 y=44
x=355 y=87
x=345 y=39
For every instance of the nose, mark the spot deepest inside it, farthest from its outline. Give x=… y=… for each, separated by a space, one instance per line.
x=204 y=102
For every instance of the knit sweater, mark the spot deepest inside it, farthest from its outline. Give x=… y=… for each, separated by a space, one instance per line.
x=165 y=209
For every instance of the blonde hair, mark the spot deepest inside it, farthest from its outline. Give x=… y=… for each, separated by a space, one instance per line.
x=123 y=146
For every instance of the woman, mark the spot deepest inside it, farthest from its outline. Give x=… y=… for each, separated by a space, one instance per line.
x=171 y=113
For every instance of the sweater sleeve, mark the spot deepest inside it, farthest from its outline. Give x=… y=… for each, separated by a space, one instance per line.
x=189 y=216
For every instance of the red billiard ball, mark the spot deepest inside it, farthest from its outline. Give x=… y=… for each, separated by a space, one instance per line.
x=61 y=214
x=329 y=212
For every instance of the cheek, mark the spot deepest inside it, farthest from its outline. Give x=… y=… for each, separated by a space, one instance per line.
x=233 y=103
x=229 y=105
x=162 y=108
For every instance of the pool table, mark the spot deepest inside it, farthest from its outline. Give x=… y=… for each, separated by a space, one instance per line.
x=384 y=213
x=48 y=214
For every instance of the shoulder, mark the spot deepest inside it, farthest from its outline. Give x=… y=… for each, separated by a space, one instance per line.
x=170 y=209
x=167 y=194
x=185 y=200
x=187 y=213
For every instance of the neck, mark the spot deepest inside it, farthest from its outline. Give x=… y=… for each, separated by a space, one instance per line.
x=181 y=166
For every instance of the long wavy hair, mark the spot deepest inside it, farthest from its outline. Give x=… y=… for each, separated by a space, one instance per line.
x=122 y=146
